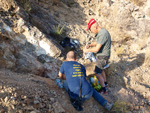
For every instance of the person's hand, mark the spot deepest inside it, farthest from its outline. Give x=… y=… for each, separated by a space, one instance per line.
x=85 y=50
x=87 y=46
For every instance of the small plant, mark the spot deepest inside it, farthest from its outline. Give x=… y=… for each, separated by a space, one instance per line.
x=120 y=107
x=58 y=30
x=120 y=50
x=26 y=5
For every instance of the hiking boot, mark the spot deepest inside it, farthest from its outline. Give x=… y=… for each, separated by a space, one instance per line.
x=103 y=92
x=77 y=107
x=108 y=106
x=76 y=104
x=106 y=85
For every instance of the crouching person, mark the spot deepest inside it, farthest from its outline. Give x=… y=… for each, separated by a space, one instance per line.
x=75 y=83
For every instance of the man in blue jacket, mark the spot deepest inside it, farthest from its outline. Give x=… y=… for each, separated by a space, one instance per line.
x=75 y=83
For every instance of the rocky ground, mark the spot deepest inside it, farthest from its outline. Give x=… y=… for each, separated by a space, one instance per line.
x=28 y=93
x=30 y=53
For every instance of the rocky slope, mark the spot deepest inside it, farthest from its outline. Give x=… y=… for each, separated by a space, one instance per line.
x=28 y=93
x=30 y=47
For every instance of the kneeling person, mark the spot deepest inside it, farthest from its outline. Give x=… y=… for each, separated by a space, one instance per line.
x=75 y=83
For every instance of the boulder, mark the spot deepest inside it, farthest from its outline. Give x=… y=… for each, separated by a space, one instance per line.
x=27 y=63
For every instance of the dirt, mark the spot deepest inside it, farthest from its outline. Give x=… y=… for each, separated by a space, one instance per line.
x=21 y=93
x=26 y=93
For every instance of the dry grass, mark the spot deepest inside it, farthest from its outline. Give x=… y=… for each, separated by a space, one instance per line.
x=138 y=2
x=120 y=50
x=147 y=59
x=26 y=5
x=126 y=82
x=120 y=107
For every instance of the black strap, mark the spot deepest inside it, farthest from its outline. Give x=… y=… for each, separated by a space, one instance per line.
x=80 y=86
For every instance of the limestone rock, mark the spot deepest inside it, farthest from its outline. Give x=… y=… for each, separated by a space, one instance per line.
x=47 y=47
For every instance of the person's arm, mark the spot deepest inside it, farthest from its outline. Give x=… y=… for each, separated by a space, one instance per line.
x=94 y=49
x=61 y=73
x=62 y=76
x=92 y=44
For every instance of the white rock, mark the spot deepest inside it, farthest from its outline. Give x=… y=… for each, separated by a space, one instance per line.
x=6 y=99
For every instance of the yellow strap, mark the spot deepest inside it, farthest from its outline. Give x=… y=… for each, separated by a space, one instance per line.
x=95 y=80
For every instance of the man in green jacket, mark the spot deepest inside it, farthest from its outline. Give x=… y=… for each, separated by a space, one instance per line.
x=101 y=47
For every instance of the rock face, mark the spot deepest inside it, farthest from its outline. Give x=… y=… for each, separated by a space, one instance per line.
x=22 y=43
x=26 y=63
x=7 y=59
x=42 y=19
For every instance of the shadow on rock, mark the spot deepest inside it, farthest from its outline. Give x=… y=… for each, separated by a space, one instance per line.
x=119 y=80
